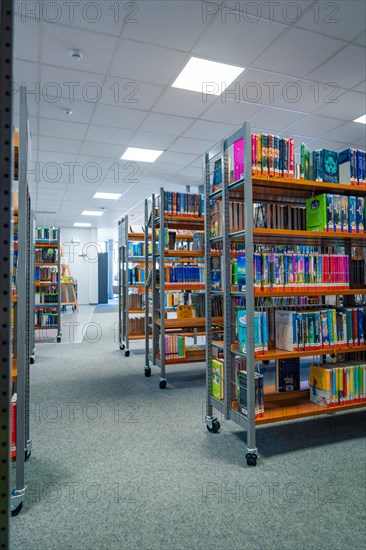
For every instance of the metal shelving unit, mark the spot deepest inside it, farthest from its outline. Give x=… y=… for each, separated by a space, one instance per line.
x=157 y=323
x=277 y=406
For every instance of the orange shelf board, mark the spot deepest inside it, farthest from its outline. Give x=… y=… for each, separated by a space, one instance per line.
x=294 y=408
x=306 y=236
x=177 y=218
x=308 y=185
x=182 y=286
x=41 y=283
x=14 y=299
x=48 y=244
x=136 y=310
x=46 y=264
x=14 y=369
x=186 y=360
x=15 y=245
x=192 y=322
x=136 y=236
x=283 y=354
x=137 y=336
x=309 y=292
x=184 y=253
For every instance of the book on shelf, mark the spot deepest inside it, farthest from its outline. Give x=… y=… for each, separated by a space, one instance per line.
x=217 y=176
x=338 y=384
x=242 y=385
x=46 y=233
x=278 y=216
x=46 y=317
x=184 y=311
x=238 y=153
x=135 y=301
x=137 y=326
x=217 y=379
x=45 y=298
x=46 y=255
x=352 y=166
x=136 y=275
x=335 y=213
x=288 y=374
x=185 y=274
x=305 y=173
x=260 y=331
x=216 y=281
x=136 y=249
x=45 y=273
x=325 y=166
x=175 y=347
x=183 y=204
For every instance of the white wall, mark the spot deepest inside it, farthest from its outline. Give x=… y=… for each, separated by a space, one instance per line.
x=82 y=257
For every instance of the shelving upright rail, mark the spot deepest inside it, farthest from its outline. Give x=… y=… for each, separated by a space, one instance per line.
x=277 y=406
x=31 y=268
x=123 y=299
x=6 y=164
x=161 y=325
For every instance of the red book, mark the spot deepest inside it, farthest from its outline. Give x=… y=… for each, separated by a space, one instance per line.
x=291 y=162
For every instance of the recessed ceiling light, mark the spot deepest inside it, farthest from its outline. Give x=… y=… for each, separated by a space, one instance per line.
x=77 y=224
x=207 y=77
x=92 y=213
x=361 y=119
x=108 y=196
x=76 y=54
x=141 y=155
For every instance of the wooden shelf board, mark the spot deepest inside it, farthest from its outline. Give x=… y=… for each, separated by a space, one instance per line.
x=193 y=322
x=48 y=244
x=137 y=336
x=136 y=236
x=46 y=264
x=184 y=360
x=283 y=354
x=46 y=327
x=184 y=253
x=136 y=310
x=47 y=283
x=309 y=292
x=183 y=286
x=305 y=237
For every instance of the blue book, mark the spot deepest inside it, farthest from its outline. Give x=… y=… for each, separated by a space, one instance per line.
x=240 y=260
x=330 y=166
x=347 y=161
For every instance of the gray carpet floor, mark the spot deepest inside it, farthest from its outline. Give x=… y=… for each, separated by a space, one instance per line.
x=118 y=463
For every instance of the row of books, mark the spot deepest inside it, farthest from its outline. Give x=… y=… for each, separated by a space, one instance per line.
x=175 y=240
x=236 y=217
x=335 y=213
x=183 y=204
x=278 y=216
x=185 y=274
x=46 y=318
x=137 y=326
x=135 y=301
x=46 y=233
x=273 y=156
x=136 y=275
x=347 y=167
x=136 y=249
x=319 y=330
x=260 y=331
x=242 y=389
x=175 y=347
x=46 y=274
x=338 y=384
x=47 y=255
x=45 y=298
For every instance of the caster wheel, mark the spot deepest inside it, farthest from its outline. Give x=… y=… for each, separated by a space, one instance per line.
x=162 y=384
x=17 y=510
x=251 y=459
x=265 y=362
x=147 y=372
x=127 y=353
x=32 y=360
x=122 y=347
x=27 y=455
x=215 y=427
x=58 y=339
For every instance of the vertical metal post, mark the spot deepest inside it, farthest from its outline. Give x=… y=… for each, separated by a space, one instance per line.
x=127 y=298
x=208 y=302
x=226 y=267
x=120 y=305
x=6 y=171
x=59 y=326
x=147 y=339
x=32 y=290
x=249 y=293
x=162 y=281
x=153 y=280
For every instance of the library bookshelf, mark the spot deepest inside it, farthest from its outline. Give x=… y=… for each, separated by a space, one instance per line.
x=307 y=298
x=131 y=285
x=175 y=280
x=47 y=283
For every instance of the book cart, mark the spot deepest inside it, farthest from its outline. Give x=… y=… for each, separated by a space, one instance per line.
x=131 y=283
x=47 y=307
x=251 y=188
x=163 y=257
x=22 y=341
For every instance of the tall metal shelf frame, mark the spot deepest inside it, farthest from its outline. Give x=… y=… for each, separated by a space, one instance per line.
x=6 y=164
x=277 y=406
x=123 y=299
x=159 y=325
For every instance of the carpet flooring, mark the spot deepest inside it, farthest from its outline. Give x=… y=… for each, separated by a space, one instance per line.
x=118 y=463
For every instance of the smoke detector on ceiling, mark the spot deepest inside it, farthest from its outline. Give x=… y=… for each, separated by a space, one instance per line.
x=76 y=55
x=68 y=112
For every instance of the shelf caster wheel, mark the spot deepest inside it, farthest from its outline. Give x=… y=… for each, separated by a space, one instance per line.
x=32 y=360
x=251 y=459
x=17 y=510
x=27 y=455
x=265 y=362
x=122 y=347
x=147 y=372
x=127 y=353
x=215 y=428
x=58 y=339
x=162 y=384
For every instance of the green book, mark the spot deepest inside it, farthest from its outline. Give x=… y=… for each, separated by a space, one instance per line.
x=305 y=162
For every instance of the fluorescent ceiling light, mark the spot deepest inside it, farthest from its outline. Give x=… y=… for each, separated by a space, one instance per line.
x=92 y=213
x=361 y=119
x=141 y=155
x=77 y=224
x=207 y=77
x=108 y=196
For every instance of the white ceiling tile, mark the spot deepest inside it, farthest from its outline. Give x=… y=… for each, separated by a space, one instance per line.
x=163 y=168
x=62 y=129
x=58 y=40
x=361 y=40
x=150 y=140
x=348 y=107
x=71 y=83
x=204 y=129
x=143 y=62
x=180 y=159
x=81 y=110
x=59 y=145
x=118 y=117
x=183 y=102
x=234 y=112
x=349 y=132
x=297 y=52
x=324 y=143
x=236 y=43
x=166 y=124
x=192 y=172
x=352 y=59
x=189 y=145
x=129 y=93
x=313 y=126
x=345 y=20
x=174 y=25
x=360 y=87
x=274 y=120
x=106 y=134
x=26 y=38
x=280 y=11
x=91 y=148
